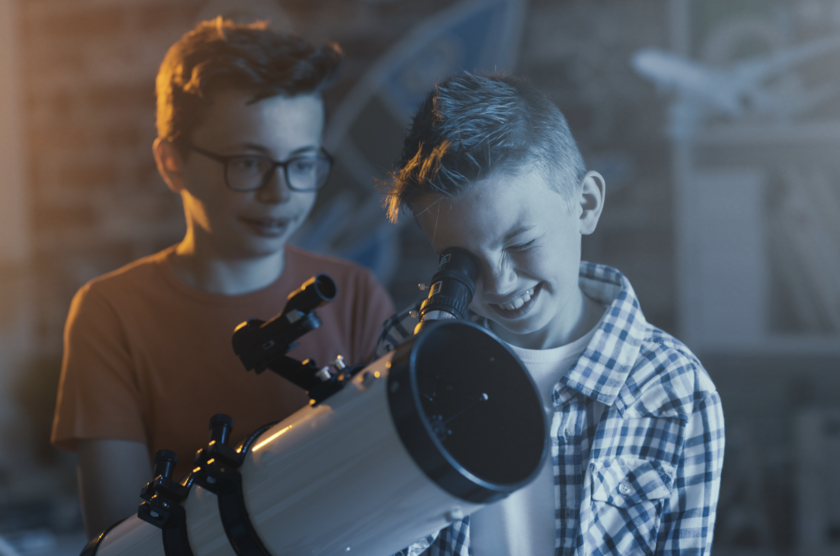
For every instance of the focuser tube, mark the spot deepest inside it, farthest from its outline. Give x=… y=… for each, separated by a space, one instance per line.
x=262 y=345
x=258 y=342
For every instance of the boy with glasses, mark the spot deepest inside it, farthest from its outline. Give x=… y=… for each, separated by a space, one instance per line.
x=148 y=356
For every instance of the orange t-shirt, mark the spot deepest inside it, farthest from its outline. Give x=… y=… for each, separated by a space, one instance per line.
x=149 y=358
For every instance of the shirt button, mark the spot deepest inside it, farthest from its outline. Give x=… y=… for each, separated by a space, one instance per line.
x=624 y=489
x=607 y=463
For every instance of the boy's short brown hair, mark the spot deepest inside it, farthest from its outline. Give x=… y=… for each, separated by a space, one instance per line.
x=472 y=126
x=219 y=55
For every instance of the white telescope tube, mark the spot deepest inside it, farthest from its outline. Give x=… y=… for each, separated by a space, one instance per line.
x=428 y=434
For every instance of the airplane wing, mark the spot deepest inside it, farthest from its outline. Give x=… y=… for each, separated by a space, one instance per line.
x=750 y=72
x=736 y=88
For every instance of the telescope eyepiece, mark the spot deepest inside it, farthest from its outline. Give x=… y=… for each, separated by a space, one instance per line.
x=453 y=287
x=318 y=290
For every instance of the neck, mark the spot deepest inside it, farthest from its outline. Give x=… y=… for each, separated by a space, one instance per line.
x=578 y=317
x=215 y=273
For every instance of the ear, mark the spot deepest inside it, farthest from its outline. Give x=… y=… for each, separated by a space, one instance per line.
x=592 y=193
x=169 y=164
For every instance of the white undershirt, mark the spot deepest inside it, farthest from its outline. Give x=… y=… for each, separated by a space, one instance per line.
x=523 y=523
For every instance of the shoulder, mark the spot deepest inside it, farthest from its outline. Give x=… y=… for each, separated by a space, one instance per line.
x=661 y=376
x=139 y=271
x=113 y=286
x=667 y=379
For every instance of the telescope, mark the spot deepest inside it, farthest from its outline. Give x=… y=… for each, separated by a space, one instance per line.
x=384 y=455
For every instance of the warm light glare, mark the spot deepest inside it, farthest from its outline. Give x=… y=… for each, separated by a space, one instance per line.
x=376 y=374
x=270 y=438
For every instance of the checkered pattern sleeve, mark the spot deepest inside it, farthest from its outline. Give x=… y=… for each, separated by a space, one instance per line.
x=651 y=485
x=687 y=526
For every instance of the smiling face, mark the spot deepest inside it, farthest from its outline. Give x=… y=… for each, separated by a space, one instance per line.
x=233 y=224
x=528 y=243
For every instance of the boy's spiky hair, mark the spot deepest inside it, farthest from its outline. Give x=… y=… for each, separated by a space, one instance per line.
x=221 y=54
x=473 y=126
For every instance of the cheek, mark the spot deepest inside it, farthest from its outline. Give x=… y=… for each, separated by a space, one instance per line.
x=225 y=204
x=537 y=264
x=210 y=191
x=557 y=267
x=303 y=204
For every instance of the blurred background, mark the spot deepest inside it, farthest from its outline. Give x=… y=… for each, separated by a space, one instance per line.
x=715 y=122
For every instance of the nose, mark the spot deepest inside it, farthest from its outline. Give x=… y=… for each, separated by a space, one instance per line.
x=276 y=191
x=497 y=276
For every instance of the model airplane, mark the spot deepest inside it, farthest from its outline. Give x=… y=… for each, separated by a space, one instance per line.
x=756 y=85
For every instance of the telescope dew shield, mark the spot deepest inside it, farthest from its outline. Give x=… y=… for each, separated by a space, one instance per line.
x=418 y=439
x=476 y=428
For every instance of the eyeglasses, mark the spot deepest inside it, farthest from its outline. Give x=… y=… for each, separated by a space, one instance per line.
x=250 y=172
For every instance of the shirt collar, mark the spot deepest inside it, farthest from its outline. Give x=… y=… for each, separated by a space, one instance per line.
x=605 y=364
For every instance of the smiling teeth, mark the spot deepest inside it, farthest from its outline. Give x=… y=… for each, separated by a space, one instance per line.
x=518 y=302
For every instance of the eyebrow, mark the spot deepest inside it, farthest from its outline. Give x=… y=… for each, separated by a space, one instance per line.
x=513 y=233
x=262 y=149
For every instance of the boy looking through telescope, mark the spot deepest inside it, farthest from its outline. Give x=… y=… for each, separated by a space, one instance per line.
x=490 y=166
x=148 y=356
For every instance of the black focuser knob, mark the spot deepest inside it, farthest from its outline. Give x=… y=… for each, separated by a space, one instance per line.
x=162 y=496
x=220 y=427
x=165 y=461
x=215 y=462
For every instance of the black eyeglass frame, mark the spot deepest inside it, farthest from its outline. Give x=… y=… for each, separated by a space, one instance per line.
x=224 y=159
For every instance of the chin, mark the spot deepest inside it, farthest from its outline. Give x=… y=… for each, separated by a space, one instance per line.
x=263 y=248
x=519 y=329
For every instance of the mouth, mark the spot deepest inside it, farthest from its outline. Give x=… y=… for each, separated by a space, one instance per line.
x=518 y=306
x=267 y=227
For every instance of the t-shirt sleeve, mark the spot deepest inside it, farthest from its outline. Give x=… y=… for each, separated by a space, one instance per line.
x=373 y=306
x=98 y=394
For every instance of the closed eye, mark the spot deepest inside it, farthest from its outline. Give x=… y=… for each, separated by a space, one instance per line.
x=522 y=246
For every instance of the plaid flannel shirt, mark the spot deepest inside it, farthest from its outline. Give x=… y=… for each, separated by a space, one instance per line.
x=636 y=438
